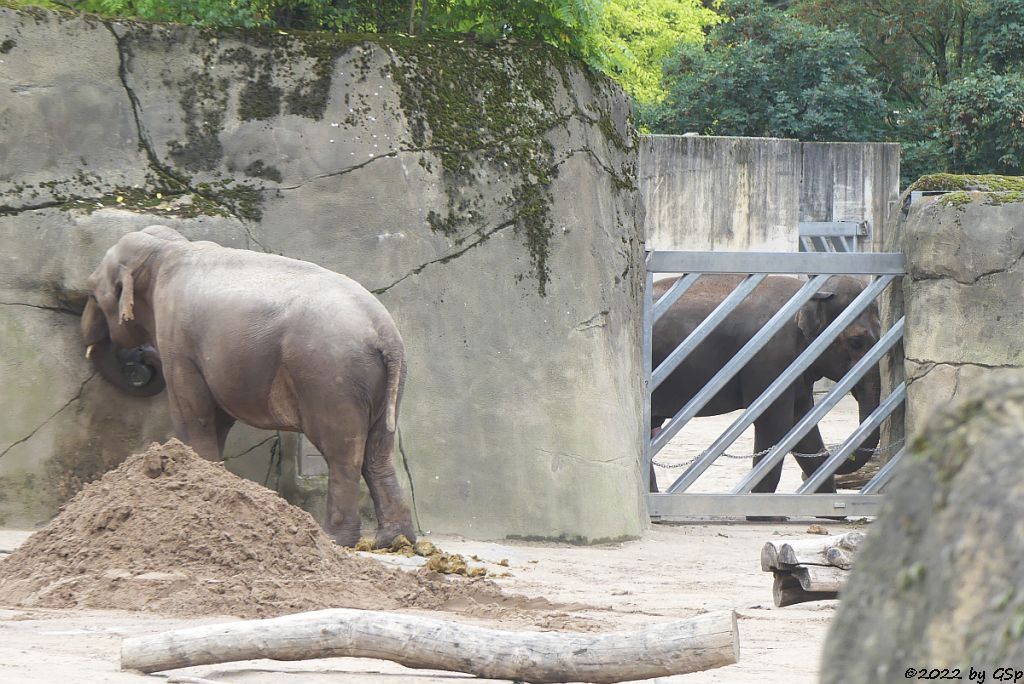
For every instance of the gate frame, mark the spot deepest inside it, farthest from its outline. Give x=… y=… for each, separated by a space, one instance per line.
x=682 y=505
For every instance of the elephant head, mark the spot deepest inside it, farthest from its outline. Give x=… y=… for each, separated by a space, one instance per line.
x=847 y=349
x=115 y=328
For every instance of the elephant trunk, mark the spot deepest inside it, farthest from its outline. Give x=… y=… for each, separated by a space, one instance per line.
x=136 y=372
x=868 y=394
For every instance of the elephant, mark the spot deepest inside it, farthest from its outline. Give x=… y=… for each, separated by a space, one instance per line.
x=736 y=330
x=277 y=343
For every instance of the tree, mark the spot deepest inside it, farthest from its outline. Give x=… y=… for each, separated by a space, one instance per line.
x=636 y=36
x=981 y=123
x=765 y=73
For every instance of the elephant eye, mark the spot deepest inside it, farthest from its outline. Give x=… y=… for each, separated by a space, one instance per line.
x=857 y=343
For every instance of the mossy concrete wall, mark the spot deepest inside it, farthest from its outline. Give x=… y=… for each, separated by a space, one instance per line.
x=963 y=295
x=742 y=194
x=485 y=194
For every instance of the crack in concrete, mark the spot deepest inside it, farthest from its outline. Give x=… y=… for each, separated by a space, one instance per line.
x=1003 y=269
x=410 y=150
x=580 y=458
x=483 y=237
x=39 y=427
x=412 y=487
x=926 y=367
x=58 y=309
x=250 y=449
x=147 y=145
x=10 y=210
x=598 y=320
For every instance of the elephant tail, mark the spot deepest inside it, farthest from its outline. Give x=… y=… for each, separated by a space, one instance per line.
x=394 y=362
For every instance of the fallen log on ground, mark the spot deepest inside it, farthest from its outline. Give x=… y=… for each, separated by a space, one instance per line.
x=809 y=569
x=699 y=643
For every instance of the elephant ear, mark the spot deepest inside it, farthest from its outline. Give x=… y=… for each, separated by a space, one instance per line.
x=811 y=318
x=126 y=303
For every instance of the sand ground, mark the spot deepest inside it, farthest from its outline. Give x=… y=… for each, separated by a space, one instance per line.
x=673 y=571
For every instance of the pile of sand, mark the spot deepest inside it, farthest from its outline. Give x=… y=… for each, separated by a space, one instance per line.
x=170 y=532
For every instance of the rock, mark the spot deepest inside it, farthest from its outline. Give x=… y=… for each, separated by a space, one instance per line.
x=937 y=583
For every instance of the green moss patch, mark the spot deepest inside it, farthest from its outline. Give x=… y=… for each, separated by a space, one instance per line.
x=968 y=182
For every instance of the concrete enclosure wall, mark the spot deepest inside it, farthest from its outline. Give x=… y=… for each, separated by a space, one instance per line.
x=737 y=194
x=963 y=296
x=485 y=195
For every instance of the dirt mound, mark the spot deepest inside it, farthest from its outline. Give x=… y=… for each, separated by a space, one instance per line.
x=170 y=532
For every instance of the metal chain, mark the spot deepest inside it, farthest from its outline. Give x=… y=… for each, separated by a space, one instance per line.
x=828 y=450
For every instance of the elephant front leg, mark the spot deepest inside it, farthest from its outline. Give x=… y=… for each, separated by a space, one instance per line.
x=195 y=417
x=811 y=442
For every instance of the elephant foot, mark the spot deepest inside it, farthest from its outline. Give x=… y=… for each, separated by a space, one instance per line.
x=387 y=535
x=767 y=518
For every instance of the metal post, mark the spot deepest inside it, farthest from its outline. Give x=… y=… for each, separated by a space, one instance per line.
x=648 y=336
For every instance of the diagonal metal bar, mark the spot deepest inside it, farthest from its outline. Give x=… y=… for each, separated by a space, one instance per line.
x=672 y=294
x=774 y=390
x=804 y=425
x=756 y=343
x=856 y=438
x=884 y=474
x=648 y=335
x=700 y=333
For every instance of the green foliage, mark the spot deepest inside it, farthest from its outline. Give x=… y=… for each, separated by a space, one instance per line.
x=951 y=72
x=637 y=35
x=997 y=32
x=982 y=122
x=765 y=73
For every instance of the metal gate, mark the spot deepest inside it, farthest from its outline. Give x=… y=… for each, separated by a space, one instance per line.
x=676 y=502
x=832 y=236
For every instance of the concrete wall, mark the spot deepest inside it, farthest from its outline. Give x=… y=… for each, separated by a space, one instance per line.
x=962 y=295
x=485 y=195
x=850 y=181
x=712 y=193
x=741 y=194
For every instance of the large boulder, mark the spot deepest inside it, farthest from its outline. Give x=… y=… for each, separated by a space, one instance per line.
x=937 y=583
x=485 y=194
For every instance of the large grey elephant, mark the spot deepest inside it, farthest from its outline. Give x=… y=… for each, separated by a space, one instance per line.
x=736 y=330
x=276 y=343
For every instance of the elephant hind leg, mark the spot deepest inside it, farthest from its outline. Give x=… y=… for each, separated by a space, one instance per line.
x=393 y=515
x=341 y=438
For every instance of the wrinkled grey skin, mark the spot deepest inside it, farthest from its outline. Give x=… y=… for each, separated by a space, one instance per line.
x=736 y=330
x=276 y=343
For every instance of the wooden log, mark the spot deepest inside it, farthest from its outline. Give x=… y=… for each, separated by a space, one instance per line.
x=858 y=479
x=787 y=554
x=769 y=556
x=786 y=591
x=699 y=643
x=820 y=578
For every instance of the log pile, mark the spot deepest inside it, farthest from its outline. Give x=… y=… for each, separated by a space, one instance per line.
x=809 y=569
